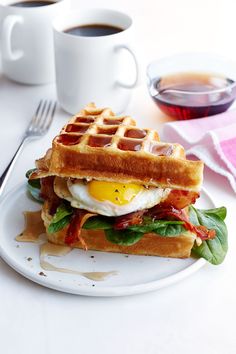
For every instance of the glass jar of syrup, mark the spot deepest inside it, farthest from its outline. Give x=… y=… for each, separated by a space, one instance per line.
x=192 y=86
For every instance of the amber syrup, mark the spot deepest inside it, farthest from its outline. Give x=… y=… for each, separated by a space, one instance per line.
x=203 y=100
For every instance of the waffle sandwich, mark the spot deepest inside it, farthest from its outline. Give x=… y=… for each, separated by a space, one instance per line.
x=110 y=186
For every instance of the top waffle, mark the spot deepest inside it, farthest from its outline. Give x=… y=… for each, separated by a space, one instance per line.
x=96 y=144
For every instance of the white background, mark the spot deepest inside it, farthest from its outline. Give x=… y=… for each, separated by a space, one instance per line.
x=194 y=316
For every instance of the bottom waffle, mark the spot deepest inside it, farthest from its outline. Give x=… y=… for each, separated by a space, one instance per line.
x=150 y=245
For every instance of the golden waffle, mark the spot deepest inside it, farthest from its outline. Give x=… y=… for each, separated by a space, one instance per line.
x=97 y=144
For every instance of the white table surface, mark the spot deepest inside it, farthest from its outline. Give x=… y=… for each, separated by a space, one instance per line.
x=194 y=316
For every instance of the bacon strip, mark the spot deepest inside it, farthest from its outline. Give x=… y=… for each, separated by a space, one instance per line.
x=180 y=199
x=124 y=221
x=75 y=227
x=161 y=212
x=176 y=198
x=47 y=193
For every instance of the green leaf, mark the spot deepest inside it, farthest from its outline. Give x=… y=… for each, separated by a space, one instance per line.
x=54 y=227
x=35 y=193
x=34 y=186
x=62 y=211
x=123 y=237
x=161 y=227
x=171 y=230
x=214 y=250
x=220 y=212
x=193 y=215
x=34 y=182
x=61 y=218
x=28 y=173
x=98 y=223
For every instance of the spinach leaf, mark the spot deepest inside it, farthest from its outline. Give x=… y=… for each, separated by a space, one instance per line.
x=161 y=227
x=123 y=237
x=35 y=193
x=214 y=250
x=221 y=212
x=171 y=230
x=34 y=182
x=54 y=227
x=61 y=218
x=98 y=223
x=28 y=173
x=34 y=187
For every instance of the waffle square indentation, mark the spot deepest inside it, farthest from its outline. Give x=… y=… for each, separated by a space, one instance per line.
x=107 y=131
x=69 y=139
x=129 y=145
x=110 y=121
x=77 y=128
x=161 y=149
x=135 y=133
x=99 y=141
x=84 y=120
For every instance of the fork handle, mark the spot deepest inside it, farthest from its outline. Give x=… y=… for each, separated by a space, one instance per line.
x=5 y=176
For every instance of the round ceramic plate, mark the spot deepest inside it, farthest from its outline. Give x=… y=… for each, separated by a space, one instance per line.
x=134 y=274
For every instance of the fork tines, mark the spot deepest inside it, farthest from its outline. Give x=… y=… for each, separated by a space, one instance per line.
x=43 y=117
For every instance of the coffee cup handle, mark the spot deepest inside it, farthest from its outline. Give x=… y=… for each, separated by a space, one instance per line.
x=135 y=82
x=7 y=28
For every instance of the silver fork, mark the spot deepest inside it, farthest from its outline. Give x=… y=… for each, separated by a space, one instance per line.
x=38 y=126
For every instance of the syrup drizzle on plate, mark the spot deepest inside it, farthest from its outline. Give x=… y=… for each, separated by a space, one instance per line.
x=49 y=249
x=34 y=229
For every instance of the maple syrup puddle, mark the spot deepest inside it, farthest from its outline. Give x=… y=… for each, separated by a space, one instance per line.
x=32 y=233
x=34 y=227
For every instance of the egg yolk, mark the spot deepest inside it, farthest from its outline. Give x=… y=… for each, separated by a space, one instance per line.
x=116 y=193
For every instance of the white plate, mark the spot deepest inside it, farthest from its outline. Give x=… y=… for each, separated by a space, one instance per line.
x=135 y=274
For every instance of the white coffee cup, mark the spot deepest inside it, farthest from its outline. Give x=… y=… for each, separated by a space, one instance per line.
x=27 y=40
x=94 y=69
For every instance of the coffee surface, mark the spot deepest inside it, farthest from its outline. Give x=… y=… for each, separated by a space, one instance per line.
x=94 y=30
x=31 y=3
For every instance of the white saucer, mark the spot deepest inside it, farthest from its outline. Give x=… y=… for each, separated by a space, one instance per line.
x=135 y=274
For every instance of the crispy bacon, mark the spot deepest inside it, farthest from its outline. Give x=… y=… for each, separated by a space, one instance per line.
x=176 y=199
x=166 y=212
x=47 y=193
x=124 y=221
x=169 y=212
x=180 y=199
x=75 y=227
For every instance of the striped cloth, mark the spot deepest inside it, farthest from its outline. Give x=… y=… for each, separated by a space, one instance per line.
x=211 y=139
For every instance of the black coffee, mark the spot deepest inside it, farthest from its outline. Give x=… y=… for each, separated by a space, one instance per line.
x=94 y=30
x=32 y=3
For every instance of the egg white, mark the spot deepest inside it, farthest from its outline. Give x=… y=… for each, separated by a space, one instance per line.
x=79 y=197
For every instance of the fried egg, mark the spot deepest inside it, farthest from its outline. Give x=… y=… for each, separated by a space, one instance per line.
x=111 y=198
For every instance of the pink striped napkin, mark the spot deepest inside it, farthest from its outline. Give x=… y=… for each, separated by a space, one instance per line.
x=211 y=139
